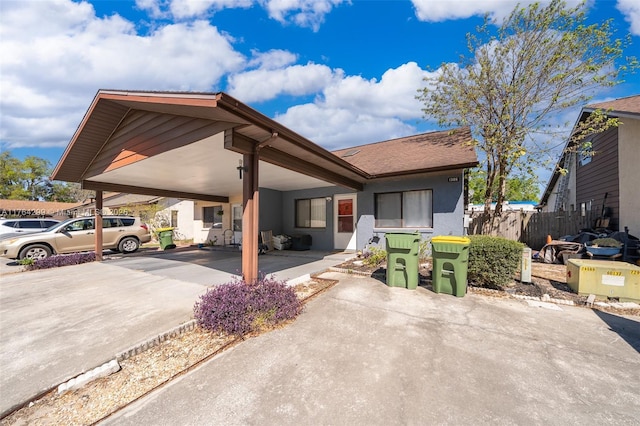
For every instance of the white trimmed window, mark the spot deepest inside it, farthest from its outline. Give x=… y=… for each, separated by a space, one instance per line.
x=311 y=213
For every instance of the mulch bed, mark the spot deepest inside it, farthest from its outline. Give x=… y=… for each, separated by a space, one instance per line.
x=547 y=279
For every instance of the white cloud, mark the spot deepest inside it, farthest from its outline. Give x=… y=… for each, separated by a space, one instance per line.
x=335 y=128
x=439 y=10
x=631 y=11
x=54 y=66
x=265 y=84
x=352 y=110
x=304 y=13
x=393 y=96
x=272 y=59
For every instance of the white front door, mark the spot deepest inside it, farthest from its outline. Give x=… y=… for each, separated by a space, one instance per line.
x=236 y=223
x=344 y=221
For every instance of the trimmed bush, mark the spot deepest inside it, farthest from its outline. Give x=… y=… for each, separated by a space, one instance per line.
x=61 y=260
x=493 y=260
x=238 y=308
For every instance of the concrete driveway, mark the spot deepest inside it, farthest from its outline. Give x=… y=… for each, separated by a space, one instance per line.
x=58 y=323
x=367 y=354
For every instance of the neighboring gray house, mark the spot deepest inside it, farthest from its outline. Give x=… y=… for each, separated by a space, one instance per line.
x=608 y=178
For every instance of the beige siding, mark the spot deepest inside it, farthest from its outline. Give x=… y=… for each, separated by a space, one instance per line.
x=629 y=154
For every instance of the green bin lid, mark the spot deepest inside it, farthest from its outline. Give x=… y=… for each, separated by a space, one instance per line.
x=451 y=239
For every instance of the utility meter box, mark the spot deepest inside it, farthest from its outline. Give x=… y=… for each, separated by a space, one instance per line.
x=604 y=278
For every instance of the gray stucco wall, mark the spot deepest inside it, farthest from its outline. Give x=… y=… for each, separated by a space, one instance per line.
x=448 y=209
x=270 y=211
x=448 y=206
x=322 y=239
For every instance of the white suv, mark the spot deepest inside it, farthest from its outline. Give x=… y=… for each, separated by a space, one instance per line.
x=122 y=233
x=24 y=226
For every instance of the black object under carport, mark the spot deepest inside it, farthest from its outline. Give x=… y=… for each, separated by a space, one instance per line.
x=301 y=242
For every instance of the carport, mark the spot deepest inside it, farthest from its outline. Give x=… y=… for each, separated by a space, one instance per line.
x=200 y=146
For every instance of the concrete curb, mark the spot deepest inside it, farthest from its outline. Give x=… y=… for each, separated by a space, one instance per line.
x=113 y=366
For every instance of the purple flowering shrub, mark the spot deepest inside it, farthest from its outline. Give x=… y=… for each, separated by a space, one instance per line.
x=62 y=260
x=238 y=308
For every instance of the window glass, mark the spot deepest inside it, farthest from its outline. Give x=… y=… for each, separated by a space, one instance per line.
x=29 y=224
x=110 y=222
x=80 y=225
x=49 y=223
x=311 y=213
x=409 y=209
x=9 y=224
x=211 y=216
x=416 y=208
x=128 y=221
x=389 y=210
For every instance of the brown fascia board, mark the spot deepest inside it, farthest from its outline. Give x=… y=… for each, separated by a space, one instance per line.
x=429 y=170
x=258 y=119
x=129 y=189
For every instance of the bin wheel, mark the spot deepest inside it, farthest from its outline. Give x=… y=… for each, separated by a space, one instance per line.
x=128 y=245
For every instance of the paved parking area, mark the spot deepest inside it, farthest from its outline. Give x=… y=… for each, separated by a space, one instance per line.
x=58 y=323
x=367 y=354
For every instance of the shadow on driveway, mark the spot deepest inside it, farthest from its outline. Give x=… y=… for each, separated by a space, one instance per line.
x=625 y=328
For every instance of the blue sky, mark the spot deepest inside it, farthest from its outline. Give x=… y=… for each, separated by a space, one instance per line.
x=340 y=73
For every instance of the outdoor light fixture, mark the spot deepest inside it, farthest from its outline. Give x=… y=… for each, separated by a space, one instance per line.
x=328 y=199
x=241 y=168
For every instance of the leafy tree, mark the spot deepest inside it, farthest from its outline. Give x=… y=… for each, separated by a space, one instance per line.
x=29 y=180
x=519 y=188
x=10 y=177
x=541 y=61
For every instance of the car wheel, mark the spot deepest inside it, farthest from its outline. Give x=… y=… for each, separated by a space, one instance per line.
x=35 y=252
x=128 y=245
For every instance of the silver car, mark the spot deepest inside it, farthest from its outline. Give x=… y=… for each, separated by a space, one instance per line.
x=122 y=233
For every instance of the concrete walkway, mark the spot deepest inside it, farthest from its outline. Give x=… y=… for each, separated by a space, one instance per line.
x=367 y=354
x=58 y=323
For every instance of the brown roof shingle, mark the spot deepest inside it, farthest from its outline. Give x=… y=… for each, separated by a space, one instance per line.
x=440 y=150
x=629 y=104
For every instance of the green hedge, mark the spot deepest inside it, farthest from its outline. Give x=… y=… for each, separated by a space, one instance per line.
x=493 y=261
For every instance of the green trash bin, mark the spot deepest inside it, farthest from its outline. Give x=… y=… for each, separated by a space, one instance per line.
x=402 y=259
x=450 y=260
x=165 y=238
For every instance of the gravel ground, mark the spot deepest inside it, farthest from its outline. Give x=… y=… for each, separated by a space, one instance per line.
x=139 y=375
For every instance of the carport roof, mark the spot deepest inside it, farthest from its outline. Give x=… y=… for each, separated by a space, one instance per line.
x=187 y=145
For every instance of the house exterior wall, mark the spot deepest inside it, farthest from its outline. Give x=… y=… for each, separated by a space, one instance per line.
x=629 y=165
x=448 y=209
x=448 y=206
x=600 y=177
x=270 y=211
x=184 y=228
x=321 y=238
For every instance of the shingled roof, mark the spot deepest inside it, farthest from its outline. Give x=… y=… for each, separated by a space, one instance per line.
x=629 y=105
x=426 y=152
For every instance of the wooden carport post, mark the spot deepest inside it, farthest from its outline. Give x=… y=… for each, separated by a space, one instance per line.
x=98 y=225
x=250 y=216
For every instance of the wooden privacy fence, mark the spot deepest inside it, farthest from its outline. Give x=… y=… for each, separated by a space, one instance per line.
x=532 y=228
